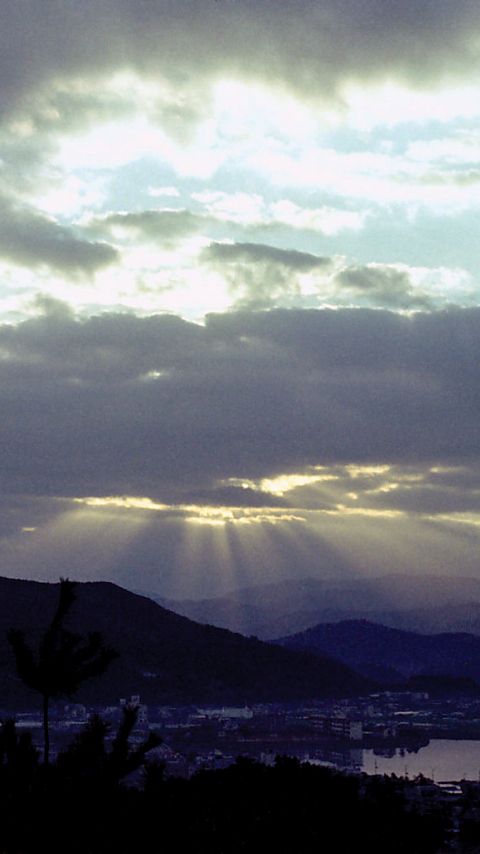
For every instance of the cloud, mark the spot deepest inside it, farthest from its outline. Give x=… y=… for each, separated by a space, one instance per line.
x=327 y=220
x=239 y=207
x=156 y=406
x=335 y=41
x=416 y=489
x=429 y=499
x=468 y=178
x=258 y=253
x=163 y=191
x=31 y=239
x=251 y=209
x=160 y=226
x=383 y=284
x=262 y=276
x=46 y=121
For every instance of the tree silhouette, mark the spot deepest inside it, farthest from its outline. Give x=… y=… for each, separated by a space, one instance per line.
x=63 y=661
x=87 y=759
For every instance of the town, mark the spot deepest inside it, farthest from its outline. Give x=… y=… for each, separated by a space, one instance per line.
x=332 y=732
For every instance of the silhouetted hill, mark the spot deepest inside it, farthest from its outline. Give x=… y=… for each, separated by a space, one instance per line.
x=274 y=610
x=388 y=653
x=164 y=657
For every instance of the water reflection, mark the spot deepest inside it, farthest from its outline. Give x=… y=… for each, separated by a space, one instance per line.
x=441 y=759
x=344 y=758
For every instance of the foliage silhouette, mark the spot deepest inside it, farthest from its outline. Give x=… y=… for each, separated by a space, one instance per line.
x=18 y=759
x=245 y=807
x=88 y=759
x=63 y=661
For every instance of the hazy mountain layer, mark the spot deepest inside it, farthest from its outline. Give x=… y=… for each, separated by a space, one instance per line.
x=273 y=610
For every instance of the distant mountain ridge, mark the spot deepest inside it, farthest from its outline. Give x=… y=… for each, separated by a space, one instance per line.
x=276 y=609
x=164 y=657
x=397 y=655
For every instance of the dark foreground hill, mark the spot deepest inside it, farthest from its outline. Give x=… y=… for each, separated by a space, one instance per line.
x=392 y=654
x=164 y=657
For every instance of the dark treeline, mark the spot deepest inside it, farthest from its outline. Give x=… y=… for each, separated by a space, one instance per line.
x=85 y=803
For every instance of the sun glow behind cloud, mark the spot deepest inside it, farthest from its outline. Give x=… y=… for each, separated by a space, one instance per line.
x=196 y=513
x=249 y=540
x=344 y=516
x=370 y=491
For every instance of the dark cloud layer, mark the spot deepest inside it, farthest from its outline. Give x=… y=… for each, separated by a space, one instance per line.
x=313 y=45
x=121 y=404
x=30 y=238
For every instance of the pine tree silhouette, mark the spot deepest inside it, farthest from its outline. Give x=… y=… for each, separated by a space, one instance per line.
x=63 y=661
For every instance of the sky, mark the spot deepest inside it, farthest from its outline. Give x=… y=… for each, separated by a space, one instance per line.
x=239 y=290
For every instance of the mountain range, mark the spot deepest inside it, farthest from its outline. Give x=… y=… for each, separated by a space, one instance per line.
x=390 y=655
x=164 y=657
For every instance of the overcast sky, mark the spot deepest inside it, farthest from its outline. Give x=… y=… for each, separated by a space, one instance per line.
x=239 y=290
